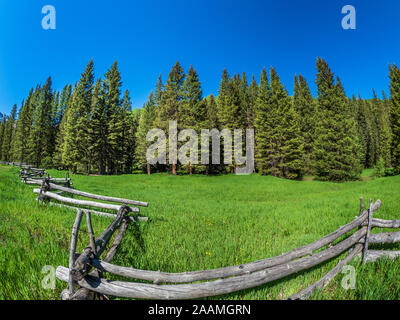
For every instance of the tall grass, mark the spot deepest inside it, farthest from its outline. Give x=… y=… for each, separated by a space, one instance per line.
x=197 y=222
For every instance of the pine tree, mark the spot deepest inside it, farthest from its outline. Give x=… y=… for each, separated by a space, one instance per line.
x=305 y=107
x=65 y=102
x=336 y=144
x=264 y=122
x=131 y=121
x=22 y=131
x=146 y=121
x=192 y=110
x=39 y=143
x=98 y=129
x=211 y=123
x=252 y=103
x=170 y=102
x=289 y=152
x=394 y=74
x=2 y=129
x=76 y=143
x=8 y=135
x=116 y=117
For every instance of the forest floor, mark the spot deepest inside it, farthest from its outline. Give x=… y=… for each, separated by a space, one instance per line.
x=198 y=222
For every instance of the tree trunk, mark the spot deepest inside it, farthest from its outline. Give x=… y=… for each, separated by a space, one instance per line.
x=190 y=168
x=148 y=169
x=174 y=168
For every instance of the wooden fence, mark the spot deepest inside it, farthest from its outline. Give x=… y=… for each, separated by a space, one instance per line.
x=85 y=271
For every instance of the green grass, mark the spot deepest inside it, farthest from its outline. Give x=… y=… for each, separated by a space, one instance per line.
x=197 y=222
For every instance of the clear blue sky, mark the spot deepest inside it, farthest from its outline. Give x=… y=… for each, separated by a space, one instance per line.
x=148 y=37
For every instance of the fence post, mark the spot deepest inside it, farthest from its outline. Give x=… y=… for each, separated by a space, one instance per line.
x=72 y=251
x=370 y=213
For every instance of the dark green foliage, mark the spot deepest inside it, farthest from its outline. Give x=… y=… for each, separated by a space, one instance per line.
x=2 y=129
x=40 y=138
x=169 y=105
x=76 y=143
x=92 y=128
x=394 y=74
x=336 y=143
x=305 y=107
x=8 y=136
x=146 y=121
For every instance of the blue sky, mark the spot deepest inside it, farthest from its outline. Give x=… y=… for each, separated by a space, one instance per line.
x=148 y=37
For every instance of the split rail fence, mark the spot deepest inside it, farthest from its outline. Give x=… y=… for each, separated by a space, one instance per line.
x=85 y=271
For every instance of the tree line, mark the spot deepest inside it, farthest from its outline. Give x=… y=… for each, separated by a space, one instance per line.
x=90 y=127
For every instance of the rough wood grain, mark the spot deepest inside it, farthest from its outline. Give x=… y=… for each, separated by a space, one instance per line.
x=57 y=197
x=81 y=266
x=211 y=288
x=385 y=237
x=369 y=226
x=374 y=255
x=324 y=281
x=381 y=223
x=157 y=276
x=117 y=240
x=72 y=250
x=98 y=197
x=97 y=213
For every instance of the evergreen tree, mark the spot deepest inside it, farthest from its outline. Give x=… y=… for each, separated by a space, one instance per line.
x=65 y=101
x=39 y=144
x=170 y=102
x=192 y=109
x=146 y=121
x=8 y=135
x=265 y=118
x=394 y=74
x=336 y=144
x=211 y=123
x=252 y=103
x=131 y=121
x=289 y=152
x=98 y=129
x=116 y=119
x=305 y=107
x=2 y=129
x=76 y=143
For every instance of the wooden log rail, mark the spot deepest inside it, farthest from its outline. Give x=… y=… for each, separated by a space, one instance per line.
x=86 y=270
x=51 y=195
x=94 y=196
x=230 y=279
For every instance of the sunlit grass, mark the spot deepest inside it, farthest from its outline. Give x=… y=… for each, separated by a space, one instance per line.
x=197 y=222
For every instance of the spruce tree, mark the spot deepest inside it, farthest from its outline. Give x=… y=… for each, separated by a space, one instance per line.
x=264 y=121
x=336 y=144
x=23 y=127
x=211 y=123
x=65 y=101
x=170 y=103
x=394 y=74
x=116 y=117
x=2 y=129
x=192 y=110
x=287 y=134
x=76 y=143
x=131 y=121
x=8 y=135
x=98 y=129
x=146 y=121
x=305 y=107
x=39 y=143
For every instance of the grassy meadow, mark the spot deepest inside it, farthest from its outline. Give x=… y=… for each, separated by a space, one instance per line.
x=198 y=222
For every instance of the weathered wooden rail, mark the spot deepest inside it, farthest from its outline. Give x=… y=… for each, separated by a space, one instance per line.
x=85 y=271
x=234 y=278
